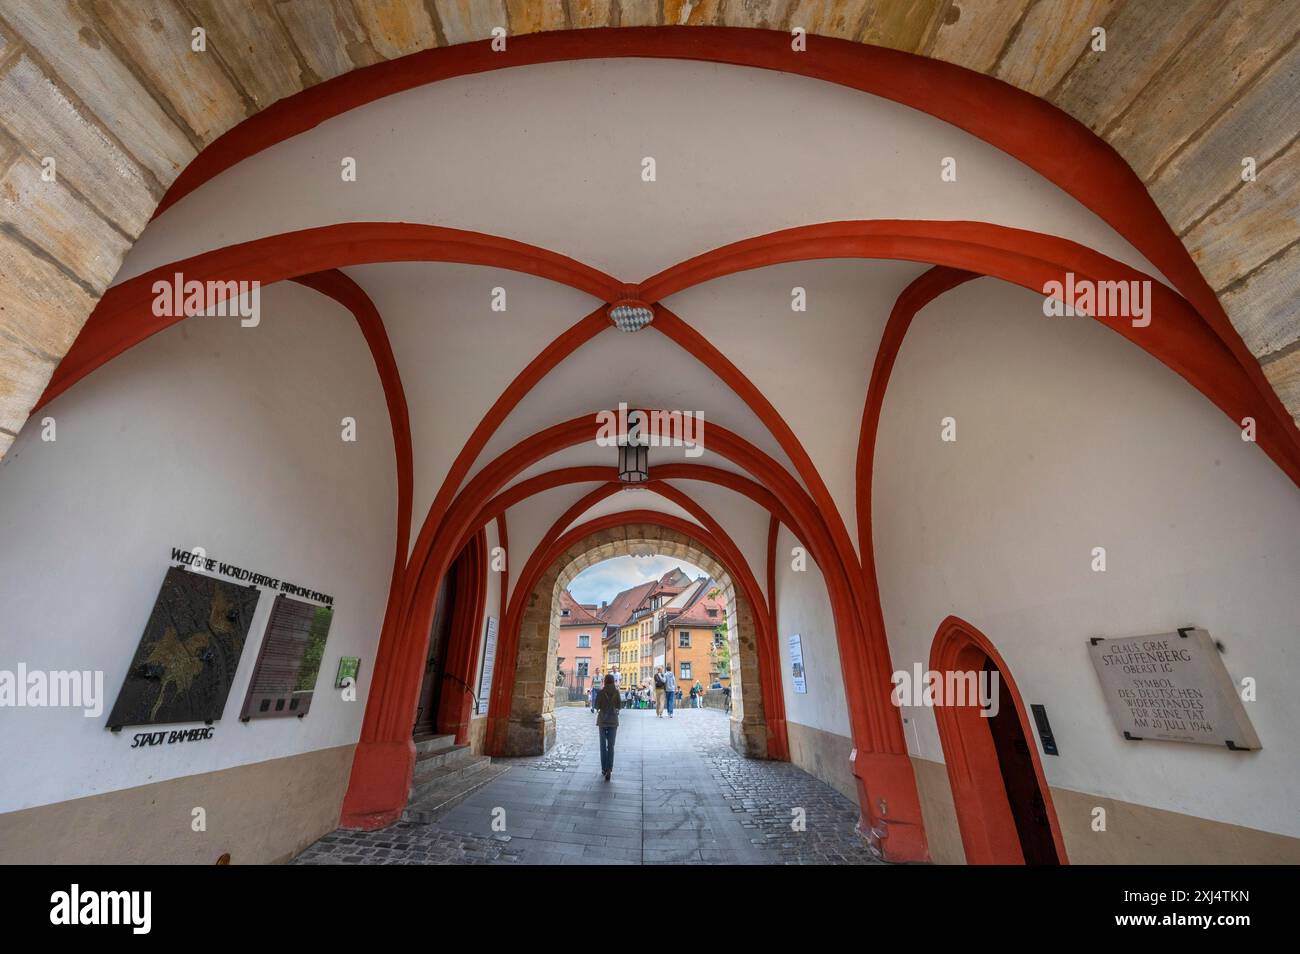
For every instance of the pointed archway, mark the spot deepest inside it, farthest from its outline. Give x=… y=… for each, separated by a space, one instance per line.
x=1004 y=805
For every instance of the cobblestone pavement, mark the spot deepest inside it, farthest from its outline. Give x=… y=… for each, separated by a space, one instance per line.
x=679 y=795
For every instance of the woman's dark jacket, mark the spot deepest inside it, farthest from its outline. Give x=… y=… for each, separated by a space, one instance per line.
x=607 y=705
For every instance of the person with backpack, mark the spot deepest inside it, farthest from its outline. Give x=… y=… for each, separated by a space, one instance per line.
x=670 y=688
x=660 y=690
x=697 y=695
x=608 y=702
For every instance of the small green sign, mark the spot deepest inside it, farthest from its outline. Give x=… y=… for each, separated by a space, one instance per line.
x=349 y=666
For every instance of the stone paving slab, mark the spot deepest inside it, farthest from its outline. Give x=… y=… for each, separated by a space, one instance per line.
x=679 y=794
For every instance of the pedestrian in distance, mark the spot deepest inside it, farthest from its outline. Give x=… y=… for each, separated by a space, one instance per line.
x=670 y=687
x=608 y=702
x=660 y=689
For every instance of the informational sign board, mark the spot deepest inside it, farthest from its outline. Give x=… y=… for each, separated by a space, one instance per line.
x=796 y=663
x=284 y=678
x=1173 y=687
x=489 y=661
x=185 y=662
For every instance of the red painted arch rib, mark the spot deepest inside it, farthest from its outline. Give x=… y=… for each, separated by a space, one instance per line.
x=1177 y=335
x=351 y=296
x=564 y=476
x=125 y=315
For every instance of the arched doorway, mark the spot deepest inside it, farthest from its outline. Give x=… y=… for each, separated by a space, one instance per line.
x=522 y=713
x=446 y=696
x=1004 y=806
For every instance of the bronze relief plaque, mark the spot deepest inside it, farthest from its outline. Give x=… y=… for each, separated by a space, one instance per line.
x=186 y=660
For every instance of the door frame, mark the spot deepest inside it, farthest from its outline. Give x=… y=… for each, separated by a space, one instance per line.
x=988 y=831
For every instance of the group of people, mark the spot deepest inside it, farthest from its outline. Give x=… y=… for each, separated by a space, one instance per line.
x=666 y=694
x=607 y=701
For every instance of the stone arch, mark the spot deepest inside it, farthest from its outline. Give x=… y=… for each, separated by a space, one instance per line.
x=531 y=729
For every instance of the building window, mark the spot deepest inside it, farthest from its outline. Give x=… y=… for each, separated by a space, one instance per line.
x=684 y=639
x=686 y=670
x=564 y=612
x=584 y=641
x=584 y=666
x=712 y=611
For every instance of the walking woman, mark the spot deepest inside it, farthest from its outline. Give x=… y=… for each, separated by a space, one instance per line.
x=607 y=705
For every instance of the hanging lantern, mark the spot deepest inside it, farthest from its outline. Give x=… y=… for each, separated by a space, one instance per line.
x=634 y=452
x=633 y=463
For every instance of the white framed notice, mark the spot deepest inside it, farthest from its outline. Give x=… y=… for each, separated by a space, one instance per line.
x=489 y=661
x=796 y=664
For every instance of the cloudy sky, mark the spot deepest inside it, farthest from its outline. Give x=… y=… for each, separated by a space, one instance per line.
x=604 y=580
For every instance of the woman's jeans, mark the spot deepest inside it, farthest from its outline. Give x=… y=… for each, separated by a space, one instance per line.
x=607 y=733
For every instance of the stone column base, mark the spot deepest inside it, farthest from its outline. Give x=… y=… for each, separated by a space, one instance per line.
x=749 y=737
x=535 y=736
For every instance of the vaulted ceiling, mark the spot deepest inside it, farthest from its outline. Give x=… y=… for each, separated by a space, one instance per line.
x=1185 y=93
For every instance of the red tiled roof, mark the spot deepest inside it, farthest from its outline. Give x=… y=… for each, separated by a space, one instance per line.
x=670 y=584
x=697 y=613
x=579 y=615
x=621 y=607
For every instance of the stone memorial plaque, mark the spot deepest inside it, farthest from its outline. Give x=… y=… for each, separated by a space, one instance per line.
x=1173 y=687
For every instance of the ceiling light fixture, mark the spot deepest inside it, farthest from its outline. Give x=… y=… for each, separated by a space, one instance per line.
x=634 y=451
x=633 y=463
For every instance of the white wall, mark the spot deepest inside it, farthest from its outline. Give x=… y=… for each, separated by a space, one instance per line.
x=212 y=435
x=812 y=366
x=803 y=606
x=455 y=355
x=1069 y=438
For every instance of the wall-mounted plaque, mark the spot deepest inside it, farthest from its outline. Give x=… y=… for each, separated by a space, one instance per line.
x=1173 y=687
x=289 y=660
x=186 y=659
x=797 y=675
